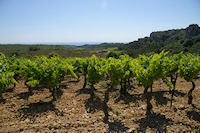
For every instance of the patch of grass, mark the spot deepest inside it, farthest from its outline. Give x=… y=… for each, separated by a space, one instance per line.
x=115 y=94
x=104 y=85
x=26 y=102
x=113 y=49
x=117 y=111
x=9 y=105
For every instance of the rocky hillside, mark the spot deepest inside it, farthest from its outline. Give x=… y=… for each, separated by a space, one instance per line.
x=175 y=41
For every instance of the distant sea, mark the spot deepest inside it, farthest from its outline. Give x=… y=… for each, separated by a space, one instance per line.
x=69 y=43
x=60 y=43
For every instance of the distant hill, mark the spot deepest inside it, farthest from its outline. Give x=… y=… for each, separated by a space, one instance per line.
x=62 y=50
x=175 y=41
x=101 y=46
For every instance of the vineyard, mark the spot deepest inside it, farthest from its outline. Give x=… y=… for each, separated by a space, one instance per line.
x=149 y=93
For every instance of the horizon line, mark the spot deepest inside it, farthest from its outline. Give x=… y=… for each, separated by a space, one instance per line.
x=58 y=43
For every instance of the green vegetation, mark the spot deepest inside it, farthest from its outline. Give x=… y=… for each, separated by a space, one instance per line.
x=48 y=71
x=62 y=50
x=118 y=68
x=189 y=69
x=31 y=50
x=6 y=76
x=174 y=41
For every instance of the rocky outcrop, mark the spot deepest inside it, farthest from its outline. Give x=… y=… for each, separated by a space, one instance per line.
x=192 y=30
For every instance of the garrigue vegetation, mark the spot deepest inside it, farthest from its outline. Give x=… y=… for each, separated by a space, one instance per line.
x=42 y=71
x=174 y=41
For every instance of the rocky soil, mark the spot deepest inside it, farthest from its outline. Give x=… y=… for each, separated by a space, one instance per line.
x=74 y=111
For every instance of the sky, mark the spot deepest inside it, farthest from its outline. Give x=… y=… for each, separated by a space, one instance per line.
x=40 y=21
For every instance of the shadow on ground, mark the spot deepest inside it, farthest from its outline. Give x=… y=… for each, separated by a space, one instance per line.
x=179 y=93
x=63 y=86
x=33 y=110
x=116 y=126
x=194 y=115
x=2 y=100
x=128 y=98
x=24 y=95
x=93 y=105
x=160 y=98
x=156 y=122
x=74 y=81
x=83 y=91
x=9 y=90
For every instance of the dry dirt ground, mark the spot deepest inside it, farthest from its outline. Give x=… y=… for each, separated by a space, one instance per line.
x=73 y=111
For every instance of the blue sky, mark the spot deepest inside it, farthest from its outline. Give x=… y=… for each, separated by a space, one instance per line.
x=35 y=21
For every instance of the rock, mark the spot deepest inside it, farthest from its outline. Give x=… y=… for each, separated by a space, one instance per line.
x=181 y=106
x=49 y=117
x=143 y=107
x=27 y=120
x=187 y=106
x=131 y=130
x=192 y=30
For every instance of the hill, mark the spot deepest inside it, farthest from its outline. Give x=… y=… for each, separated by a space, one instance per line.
x=101 y=46
x=62 y=50
x=175 y=41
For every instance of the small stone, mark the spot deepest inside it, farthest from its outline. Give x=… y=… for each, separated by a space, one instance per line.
x=49 y=116
x=143 y=107
x=181 y=106
x=27 y=120
x=131 y=130
x=132 y=111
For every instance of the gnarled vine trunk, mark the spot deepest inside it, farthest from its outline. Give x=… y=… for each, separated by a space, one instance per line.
x=30 y=89
x=190 y=93
x=53 y=94
x=85 y=77
x=92 y=90
x=123 y=87
x=151 y=88
x=149 y=105
x=105 y=106
x=173 y=81
x=85 y=81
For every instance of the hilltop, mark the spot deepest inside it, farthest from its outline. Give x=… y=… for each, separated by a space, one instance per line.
x=175 y=41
